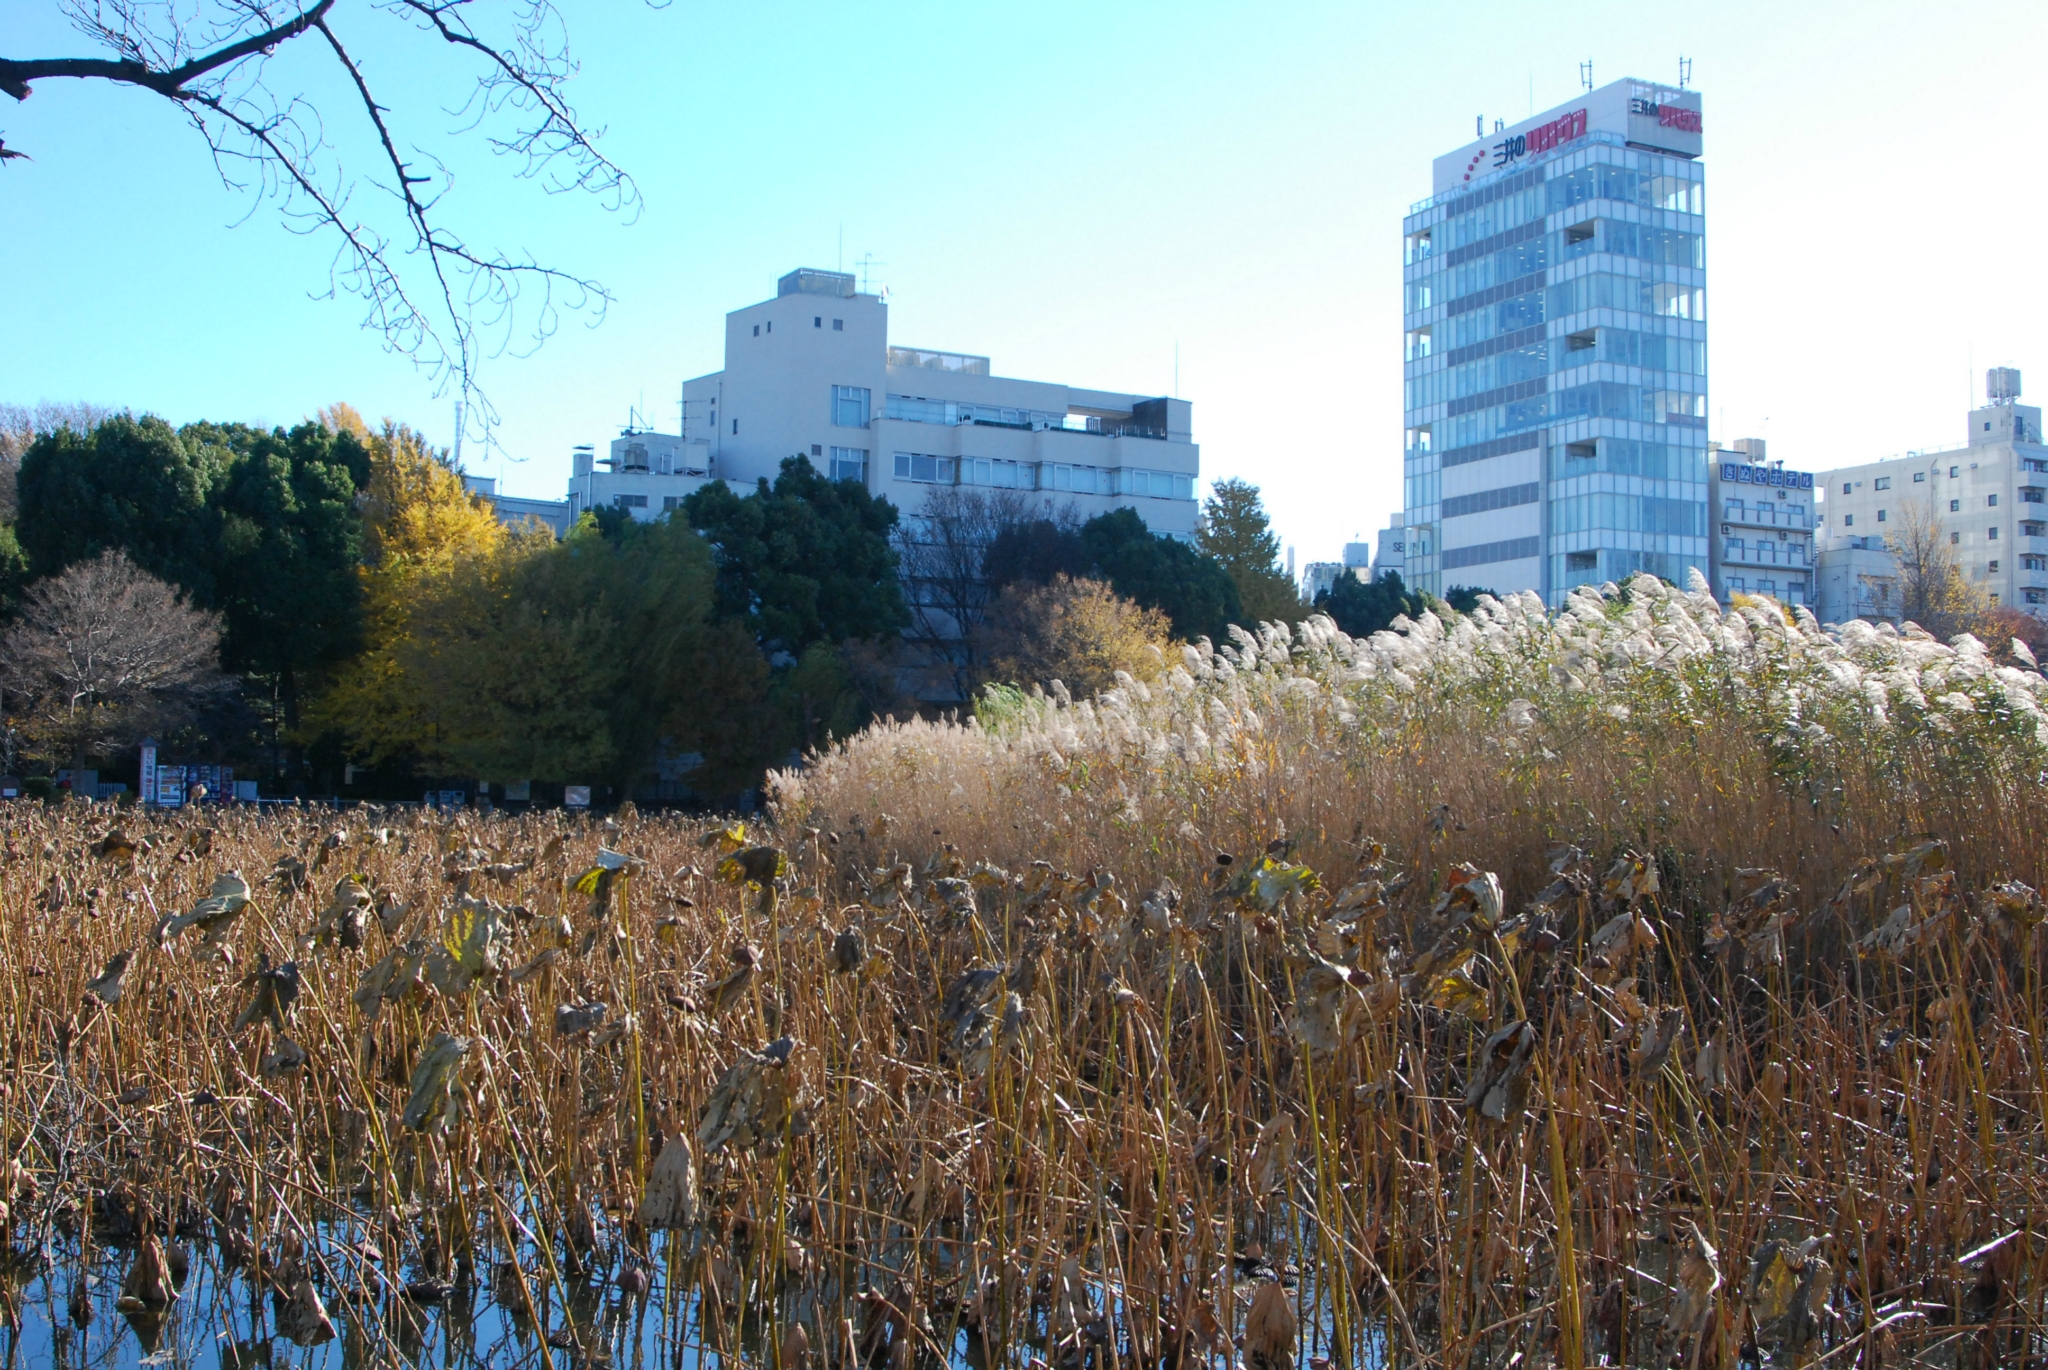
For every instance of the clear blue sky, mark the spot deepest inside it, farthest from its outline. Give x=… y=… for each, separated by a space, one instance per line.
x=1076 y=190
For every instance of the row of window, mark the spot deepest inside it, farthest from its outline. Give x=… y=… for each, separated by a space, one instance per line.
x=1524 y=197
x=917 y=409
x=1001 y=474
x=1521 y=253
x=1513 y=366
x=1505 y=497
x=1608 y=511
x=1596 y=400
x=1793 y=591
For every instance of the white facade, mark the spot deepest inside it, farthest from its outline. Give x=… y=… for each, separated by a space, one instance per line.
x=512 y=509
x=812 y=373
x=1321 y=577
x=1989 y=495
x=1392 y=552
x=645 y=473
x=1762 y=519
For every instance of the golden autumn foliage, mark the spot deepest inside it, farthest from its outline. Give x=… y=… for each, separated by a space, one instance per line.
x=421 y=530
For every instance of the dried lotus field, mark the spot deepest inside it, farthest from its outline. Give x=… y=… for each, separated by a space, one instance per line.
x=1643 y=983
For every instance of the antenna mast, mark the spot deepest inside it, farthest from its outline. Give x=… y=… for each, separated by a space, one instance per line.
x=1586 y=73
x=1684 y=72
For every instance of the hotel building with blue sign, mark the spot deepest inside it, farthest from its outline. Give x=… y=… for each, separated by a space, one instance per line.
x=1556 y=351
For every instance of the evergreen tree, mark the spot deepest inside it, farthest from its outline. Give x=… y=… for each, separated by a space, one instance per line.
x=1361 y=608
x=1235 y=531
x=802 y=561
x=1194 y=592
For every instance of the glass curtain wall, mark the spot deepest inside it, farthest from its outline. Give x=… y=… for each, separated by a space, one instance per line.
x=1561 y=309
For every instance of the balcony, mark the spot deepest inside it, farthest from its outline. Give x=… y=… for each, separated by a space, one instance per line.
x=1739 y=553
x=1768 y=516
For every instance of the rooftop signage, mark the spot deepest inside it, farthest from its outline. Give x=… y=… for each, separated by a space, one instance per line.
x=1642 y=113
x=1741 y=473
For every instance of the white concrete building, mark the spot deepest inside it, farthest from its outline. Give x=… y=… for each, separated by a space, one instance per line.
x=1762 y=517
x=513 y=509
x=1989 y=496
x=812 y=373
x=1391 y=553
x=644 y=472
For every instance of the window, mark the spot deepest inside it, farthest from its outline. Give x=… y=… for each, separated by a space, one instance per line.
x=1991 y=500
x=771 y=325
x=1994 y=533
x=997 y=474
x=1881 y=483
x=1848 y=520
x=1581 y=561
x=849 y=463
x=2033 y=596
x=669 y=502
x=1955 y=506
x=629 y=501
x=1994 y=564
x=818 y=449
x=850 y=406
x=1880 y=516
x=1919 y=478
x=923 y=469
x=2034 y=530
x=1955 y=538
x=757 y=330
x=2032 y=494
x=1157 y=484
x=2032 y=563
x=817 y=322
x=1847 y=488
x=1952 y=472
x=839 y=325
x=1419 y=343
x=1082 y=480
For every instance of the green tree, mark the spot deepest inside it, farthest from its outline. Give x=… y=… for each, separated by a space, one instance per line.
x=129 y=485
x=1235 y=531
x=1190 y=587
x=1361 y=608
x=13 y=571
x=802 y=561
x=288 y=544
x=1158 y=572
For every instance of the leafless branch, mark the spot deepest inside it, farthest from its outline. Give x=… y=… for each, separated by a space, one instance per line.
x=211 y=58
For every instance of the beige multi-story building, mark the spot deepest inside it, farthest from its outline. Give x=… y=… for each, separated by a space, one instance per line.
x=1762 y=518
x=1988 y=496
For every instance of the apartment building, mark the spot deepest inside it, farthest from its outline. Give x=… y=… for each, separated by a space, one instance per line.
x=813 y=373
x=1763 y=519
x=1987 y=495
x=1555 y=350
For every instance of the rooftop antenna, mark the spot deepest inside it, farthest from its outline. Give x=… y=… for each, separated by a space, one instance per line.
x=1479 y=125
x=866 y=263
x=1684 y=72
x=1586 y=73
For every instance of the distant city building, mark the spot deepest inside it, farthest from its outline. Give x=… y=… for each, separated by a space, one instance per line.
x=1763 y=521
x=512 y=509
x=1556 y=361
x=812 y=373
x=643 y=472
x=1392 y=553
x=1988 y=496
x=1321 y=577
x=1358 y=555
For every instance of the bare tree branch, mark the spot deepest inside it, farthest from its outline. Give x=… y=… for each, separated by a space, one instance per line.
x=15 y=76
x=210 y=58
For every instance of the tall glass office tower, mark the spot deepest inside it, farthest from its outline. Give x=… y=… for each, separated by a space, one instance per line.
x=1556 y=351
